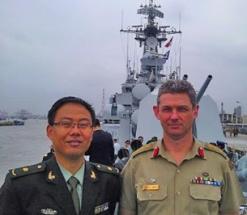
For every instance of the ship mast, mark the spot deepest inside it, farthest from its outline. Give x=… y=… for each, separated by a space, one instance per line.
x=138 y=84
x=151 y=36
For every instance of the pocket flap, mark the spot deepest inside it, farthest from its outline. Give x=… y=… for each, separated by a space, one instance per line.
x=206 y=192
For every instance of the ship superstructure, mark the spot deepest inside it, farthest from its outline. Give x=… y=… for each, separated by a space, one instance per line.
x=130 y=110
x=150 y=37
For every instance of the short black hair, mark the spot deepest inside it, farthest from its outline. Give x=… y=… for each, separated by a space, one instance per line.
x=65 y=100
x=135 y=144
x=122 y=153
x=96 y=123
x=178 y=86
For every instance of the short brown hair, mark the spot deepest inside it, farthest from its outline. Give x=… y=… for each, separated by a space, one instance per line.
x=178 y=86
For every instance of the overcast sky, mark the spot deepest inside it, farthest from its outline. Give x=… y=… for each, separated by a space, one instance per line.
x=50 y=49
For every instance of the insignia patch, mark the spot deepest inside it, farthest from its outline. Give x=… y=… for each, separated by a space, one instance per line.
x=48 y=211
x=51 y=176
x=152 y=180
x=13 y=172
x=156 y=151
x=101 y=208
x=25 y=169
x=93 y=176
x=201 y=152
x=150 y=187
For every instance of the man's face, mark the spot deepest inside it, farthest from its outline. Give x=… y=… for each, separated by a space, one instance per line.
x=176 y=114
x=71 y=142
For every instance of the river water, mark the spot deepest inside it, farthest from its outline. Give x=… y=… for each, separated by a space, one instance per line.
x=22 y=145
x=26 y=145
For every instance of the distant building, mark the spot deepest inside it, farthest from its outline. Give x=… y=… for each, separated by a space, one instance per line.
x=238 y=111
x=3 y=115
x=230 y=118
x=235 y=117
x=244 y=118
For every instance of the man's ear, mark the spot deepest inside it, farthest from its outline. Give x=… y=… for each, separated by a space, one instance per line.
x=49 y=131
x=156 y=111
x=196 y=111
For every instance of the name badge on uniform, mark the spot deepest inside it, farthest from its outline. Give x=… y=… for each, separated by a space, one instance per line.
x=101 y=208
x=150 y=187
x=48 y=211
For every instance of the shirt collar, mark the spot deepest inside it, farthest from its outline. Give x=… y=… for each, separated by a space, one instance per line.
x=79 y=175
x=191 y=154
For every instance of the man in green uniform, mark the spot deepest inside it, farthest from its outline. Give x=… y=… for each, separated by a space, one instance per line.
x=179 y=175
x=64 y=184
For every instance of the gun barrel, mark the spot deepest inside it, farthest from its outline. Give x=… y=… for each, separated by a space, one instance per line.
x=203 y=88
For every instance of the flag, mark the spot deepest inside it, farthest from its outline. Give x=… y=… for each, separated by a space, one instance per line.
x=169 y=43
x=166 y=55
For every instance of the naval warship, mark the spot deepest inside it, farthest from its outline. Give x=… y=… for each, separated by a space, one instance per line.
x=130 y=112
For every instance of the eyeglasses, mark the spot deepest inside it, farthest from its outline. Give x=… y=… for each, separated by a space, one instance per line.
x=68 y=124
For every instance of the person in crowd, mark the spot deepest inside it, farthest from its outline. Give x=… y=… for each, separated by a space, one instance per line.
x=116 y=148
x=123 y=157
x=179 y=174
x=127 y=145
x=65 y=183
x=141 y=139
x=49 y=154
x=135 y=144
x=153 y=139
x=235 y=131
x=101 y=149
x=222 y=146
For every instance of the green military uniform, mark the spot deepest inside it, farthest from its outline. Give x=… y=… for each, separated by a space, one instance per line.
x=42 y=189
x=204 y=183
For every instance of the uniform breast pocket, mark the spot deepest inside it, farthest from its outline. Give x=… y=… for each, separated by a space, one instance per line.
x=151 y=192
x=205 y=199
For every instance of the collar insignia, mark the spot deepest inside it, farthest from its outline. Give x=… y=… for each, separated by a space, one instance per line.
x=51 y=176
x=201 y=152
x=93 y=176
x=156 y=151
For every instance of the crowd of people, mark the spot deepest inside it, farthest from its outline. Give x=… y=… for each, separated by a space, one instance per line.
x=173 y=174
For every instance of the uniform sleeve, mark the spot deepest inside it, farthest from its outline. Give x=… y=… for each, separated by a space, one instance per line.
x=9 y=203
x=232 y=196
x=128 y=195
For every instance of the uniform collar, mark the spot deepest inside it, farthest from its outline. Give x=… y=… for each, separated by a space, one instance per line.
x=79 y=175
x=196 y=151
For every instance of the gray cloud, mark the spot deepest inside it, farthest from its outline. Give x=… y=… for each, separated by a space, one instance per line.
x=49 y=49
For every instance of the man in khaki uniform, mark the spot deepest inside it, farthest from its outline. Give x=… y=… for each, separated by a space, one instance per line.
x=179 y=175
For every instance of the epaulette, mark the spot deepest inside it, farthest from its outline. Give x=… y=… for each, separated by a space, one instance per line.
x=105 y=168
x=27 y=170
x=144 y=148
x=213 y=148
